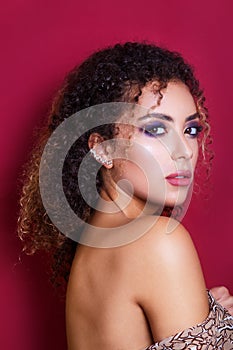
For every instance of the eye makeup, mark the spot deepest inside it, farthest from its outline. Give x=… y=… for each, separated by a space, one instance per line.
x=193 y=129
x=158 y=128
x=154 y=129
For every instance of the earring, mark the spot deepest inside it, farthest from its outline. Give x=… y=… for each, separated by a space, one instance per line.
x=100 y=159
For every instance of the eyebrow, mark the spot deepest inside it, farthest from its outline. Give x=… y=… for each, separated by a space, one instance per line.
x=167 y=117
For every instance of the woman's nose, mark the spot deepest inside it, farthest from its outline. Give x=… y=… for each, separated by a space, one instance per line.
x=181 y=148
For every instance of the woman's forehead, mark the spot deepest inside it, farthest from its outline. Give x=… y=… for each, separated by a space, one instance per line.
x=174 y=98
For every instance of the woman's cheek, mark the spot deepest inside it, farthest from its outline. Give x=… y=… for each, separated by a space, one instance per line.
x=145 y=170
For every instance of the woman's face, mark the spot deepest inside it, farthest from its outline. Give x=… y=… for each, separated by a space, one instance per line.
x=164 y=148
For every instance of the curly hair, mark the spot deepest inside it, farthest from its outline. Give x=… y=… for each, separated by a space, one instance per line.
x=114 y=74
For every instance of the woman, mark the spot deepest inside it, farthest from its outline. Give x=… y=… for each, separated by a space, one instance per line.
x=145 y=289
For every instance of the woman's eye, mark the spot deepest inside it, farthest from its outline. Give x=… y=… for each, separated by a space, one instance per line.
x=193 y=130
x=154 y=130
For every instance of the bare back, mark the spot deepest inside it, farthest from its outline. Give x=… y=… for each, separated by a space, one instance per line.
x=101 y=309
x=105 y=286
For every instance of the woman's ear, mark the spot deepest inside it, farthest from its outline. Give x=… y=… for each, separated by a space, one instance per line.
x=94 y=140
x=98 y=150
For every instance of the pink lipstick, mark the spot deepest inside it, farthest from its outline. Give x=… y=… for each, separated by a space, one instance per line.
x=181 y=178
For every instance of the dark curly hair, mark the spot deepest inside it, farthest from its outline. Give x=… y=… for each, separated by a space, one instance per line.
x=114 y=74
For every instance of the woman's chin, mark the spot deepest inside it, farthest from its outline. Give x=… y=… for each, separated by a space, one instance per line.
x=178 y=202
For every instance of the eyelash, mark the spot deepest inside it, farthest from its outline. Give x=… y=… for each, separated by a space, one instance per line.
x=198 y=128
x=147 y=130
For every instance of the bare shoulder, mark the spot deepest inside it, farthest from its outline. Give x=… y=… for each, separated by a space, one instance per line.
x=164 y=250
x=167 y=239
x=160 y=237
x=169 y=285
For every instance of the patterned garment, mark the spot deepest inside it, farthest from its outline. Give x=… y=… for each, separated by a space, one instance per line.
x=215 y=333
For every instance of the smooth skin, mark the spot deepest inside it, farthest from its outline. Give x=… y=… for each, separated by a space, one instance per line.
x=131 y=296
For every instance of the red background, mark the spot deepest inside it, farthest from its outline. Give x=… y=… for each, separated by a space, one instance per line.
x=41 y=41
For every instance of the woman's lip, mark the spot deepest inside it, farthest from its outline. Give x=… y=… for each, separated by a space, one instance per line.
x=181 y=178
x=180 y=173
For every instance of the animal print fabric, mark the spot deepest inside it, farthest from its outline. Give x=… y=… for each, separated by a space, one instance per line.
x=215 y=333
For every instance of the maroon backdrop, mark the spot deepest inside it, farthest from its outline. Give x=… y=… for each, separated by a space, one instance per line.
x=41 y=41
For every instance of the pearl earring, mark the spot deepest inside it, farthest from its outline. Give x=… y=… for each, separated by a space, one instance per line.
x=99 y=159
